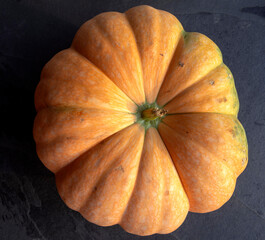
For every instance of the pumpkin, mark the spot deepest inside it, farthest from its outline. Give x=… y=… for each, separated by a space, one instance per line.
x=138 y=121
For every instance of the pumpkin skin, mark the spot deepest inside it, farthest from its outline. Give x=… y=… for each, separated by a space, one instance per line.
x=112 y=163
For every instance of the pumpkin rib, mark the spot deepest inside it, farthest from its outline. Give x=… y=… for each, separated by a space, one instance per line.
x=172 y=56
x=224 y=196
x=133 y=30
x=157 y=183
x=161 y=230
x=104 y=75
x=236 y=169
x=134 y=183
x=109 y=170
x=171 y=158
x=160 y=39
x=177 y=44
x=70 y=108
x=172 y=162
x=95 y=170
x=60 y=171
x=109 y=42
x=197 y=142
x=84 y=152
x=172 y=86
x=72 y=47
x=117 y=56
x=175 y=54
x=227 y=88
x=156 y=33
x=57 y=85
x=132 y=194
x=137 y=47
x=73 y=145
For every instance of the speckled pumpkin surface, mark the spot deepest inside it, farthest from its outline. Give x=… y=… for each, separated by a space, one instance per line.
x=138 y=121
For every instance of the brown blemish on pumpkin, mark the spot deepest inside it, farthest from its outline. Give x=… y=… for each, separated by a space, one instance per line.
x=233 y=132
x=161 y=54
x=82 y=120
x=181 y=64
x=244 y=160
x=95 y=189
x=211 y=82
x=235 y=105
x=187 y=132
x=120 y=168
x=166 y=192
x=70 y=138
x=223 y=99
x=98 y=162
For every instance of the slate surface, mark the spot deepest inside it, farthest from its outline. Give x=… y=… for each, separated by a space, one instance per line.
x=31 y=32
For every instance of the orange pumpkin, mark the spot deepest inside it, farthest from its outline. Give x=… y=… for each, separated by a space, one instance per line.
x=138 y=121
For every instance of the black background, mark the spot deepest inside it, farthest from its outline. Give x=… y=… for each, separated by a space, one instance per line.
x=32 y=31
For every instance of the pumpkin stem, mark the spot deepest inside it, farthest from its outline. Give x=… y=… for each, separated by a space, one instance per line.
x=153 y=113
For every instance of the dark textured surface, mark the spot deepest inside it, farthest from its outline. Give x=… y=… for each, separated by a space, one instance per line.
x=31 y=32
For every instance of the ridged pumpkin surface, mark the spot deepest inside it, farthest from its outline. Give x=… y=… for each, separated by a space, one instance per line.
x=112 y=163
